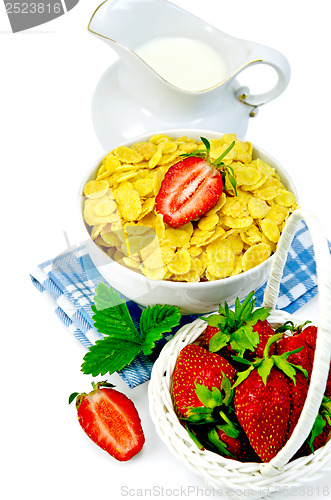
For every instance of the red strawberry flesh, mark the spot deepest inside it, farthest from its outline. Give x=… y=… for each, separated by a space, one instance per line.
x=111 y=420
x=189 y=189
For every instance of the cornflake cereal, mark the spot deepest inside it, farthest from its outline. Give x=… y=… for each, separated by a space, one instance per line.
x=237 y=234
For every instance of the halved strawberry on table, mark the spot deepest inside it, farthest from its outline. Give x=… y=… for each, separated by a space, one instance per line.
x=192 y=186
x=111 y=420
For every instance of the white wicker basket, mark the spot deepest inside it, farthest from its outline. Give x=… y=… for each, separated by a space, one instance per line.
x=254 y=479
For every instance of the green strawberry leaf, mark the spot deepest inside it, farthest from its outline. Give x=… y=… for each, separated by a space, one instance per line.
x=286 y=354
x=201 y=153
x=198 y=410
x=206 y=396
x=110 y=354
x=122 y=342
x=317 y=429
x=154 y=322
x=261 y=313
x=230 y=316
x=237 y=309
x=264 y=368
x=111 y=311
x=206 y=143
x=217 y=443
x=217 y=395
x=218 y=162
x=199 y=416
x=271 y=341
x=326 y=409
x=237 y=325
x=194 y=437
x=232 y=179
x=245 y=308
x=285 y=367
x=241 y=360
x=244 y=338
x=300 y=369
x=108 y=322
x=242 y=376
x=73 y=396
x=212 y=320
x=230 y=430
x=218 y=340
x=226 y=390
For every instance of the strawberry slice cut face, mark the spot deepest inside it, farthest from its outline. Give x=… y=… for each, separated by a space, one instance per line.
x=189 y=189
x=111 y=420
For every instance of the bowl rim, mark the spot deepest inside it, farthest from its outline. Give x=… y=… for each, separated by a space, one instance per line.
x=179 y=133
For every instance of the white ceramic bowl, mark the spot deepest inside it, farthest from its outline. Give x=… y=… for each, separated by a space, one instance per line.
x=198 y=298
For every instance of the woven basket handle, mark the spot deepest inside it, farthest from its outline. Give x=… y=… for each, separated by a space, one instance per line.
x=323 y=343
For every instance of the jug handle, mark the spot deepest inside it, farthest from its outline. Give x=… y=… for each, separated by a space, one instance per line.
x=271 y=57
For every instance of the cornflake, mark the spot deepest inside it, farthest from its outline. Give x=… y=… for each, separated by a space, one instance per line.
x=235 y=235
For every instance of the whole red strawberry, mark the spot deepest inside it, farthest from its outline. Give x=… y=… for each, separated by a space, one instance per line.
x=304 y=341
x=263 y=412
x=197 y=365
x=192 y=186
x=243 y=331
x=265 y=331
x=204 y=398
x=111 y=420
x=269 y=398
x=238 y=447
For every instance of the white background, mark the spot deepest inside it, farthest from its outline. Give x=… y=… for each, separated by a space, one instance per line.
x=48 y=75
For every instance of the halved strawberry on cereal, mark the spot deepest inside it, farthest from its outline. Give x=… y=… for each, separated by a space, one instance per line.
x=192 y=186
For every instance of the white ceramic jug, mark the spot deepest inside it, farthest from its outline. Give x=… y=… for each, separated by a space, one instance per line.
x=133 y=97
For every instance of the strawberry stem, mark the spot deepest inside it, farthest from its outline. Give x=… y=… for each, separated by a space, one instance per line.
x=266 y=363
x=237 y=326
x=97 y=385
x=218 y=162
x=290 y=326
x=271 y=341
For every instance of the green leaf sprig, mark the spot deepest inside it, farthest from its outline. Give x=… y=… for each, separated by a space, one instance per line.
x=218 y=163
x=236 y=326
x=122 y=342
x=217 y=412
x=323 y=418
x=266 y=363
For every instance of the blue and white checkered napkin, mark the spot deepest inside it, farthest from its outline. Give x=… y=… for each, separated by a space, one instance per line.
x=69 y=280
